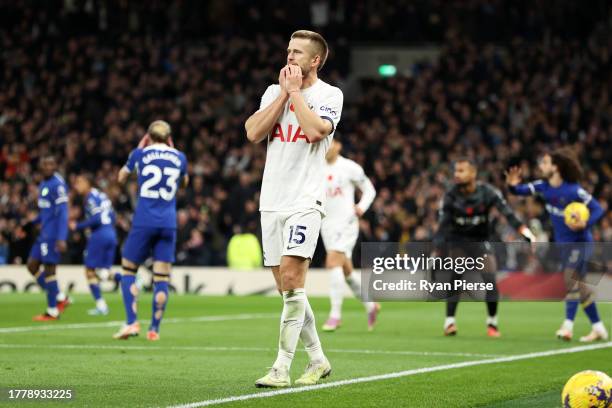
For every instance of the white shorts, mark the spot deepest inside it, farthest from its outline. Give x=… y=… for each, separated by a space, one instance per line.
x=289 y=233
x=340 y=237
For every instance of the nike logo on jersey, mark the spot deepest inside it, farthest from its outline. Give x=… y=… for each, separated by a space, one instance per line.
x=291 y=247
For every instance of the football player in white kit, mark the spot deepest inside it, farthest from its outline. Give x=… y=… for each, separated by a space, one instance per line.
x=340 y=229
x=297 y=117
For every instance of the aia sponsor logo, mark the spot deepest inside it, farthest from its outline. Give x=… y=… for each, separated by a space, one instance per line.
x=288 y=135
x=334 y=192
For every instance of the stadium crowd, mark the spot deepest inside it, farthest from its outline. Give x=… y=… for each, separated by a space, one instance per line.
x=88 y=77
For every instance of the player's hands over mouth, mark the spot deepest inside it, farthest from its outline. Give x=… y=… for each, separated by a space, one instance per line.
x=293 y=78
x=72 y=225
x=282 y=78
x=60 y=245
x=513 y=176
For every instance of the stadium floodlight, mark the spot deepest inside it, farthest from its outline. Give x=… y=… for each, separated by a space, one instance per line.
x=387 y=70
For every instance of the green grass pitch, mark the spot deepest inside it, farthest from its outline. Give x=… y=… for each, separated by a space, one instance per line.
x=215 y=347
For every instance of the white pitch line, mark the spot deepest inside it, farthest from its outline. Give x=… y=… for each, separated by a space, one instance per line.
x=219 y=348
x=398 y=374
x=53 y=326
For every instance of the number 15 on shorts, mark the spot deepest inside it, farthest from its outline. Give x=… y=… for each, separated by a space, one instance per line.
x=296 y=235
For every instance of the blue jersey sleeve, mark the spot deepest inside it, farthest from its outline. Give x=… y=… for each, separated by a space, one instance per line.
x=94 y=220
x=183 y=165
x=132 y=160
x=532 y=188
x=595 y=209
x=61 y=212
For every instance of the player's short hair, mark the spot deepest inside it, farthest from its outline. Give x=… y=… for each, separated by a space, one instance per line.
x=567 y=163
x=321 y=47
x=466 y=159
x=159 y=131
x=89 y=177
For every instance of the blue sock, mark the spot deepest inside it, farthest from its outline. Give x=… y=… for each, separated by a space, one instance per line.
x=129 y=300
x=160 y=299
x=591 y=311
x=571 y=307
x=41 y=281
x=117 y=277
x=52 y=291
x=95 y=290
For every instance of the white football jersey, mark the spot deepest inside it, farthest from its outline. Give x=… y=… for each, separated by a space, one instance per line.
x=341 y=178
x=293 y=178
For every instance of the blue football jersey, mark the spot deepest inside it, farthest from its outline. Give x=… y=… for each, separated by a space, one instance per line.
x=99 y=213
x=556 y=199
x=53 y=208
x=160 y=169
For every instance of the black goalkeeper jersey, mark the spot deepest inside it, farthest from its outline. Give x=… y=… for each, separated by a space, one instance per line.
x=466 y=217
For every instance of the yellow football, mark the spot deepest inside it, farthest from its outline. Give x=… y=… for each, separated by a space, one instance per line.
x=588 y=389
x=576 y=211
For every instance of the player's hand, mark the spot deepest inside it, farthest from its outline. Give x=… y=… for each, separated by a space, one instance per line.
x=578 y=224
x=60 y=246
x=72 y=225
x=293 y=78
x=282 y=79
x=358 y=211
x=144 y=142
x=513 y=176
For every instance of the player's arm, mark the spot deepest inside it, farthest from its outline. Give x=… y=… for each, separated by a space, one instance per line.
x=445 y=219
x=93 y=221
x=259 y=125
x=502 y=206
x=126 y=170
x=595 y=209
x=313 y=125
x=513 y=180
x=61 y=212
x=368 y=193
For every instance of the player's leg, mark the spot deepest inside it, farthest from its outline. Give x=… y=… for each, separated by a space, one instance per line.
x=491 y=296
x=163 y=253
x=333 y=263
x=354 y=283
x=135 y=251
x=300 y=235
x=101 y=308
x=272 y=241
x=37 y=273
x=52 y=289
x=587 y=298
x=570 y=258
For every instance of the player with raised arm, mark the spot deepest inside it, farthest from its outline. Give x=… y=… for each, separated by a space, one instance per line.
x=51 y=242
x=160 y=169
x=465 y=228
x=102 y=241
x=297 y=117
x=340 y=230
x=560 y=187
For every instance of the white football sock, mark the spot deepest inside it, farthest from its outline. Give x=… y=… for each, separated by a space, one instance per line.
x=599 y=327
x=355 y=285
x=101 y=304
x=53 y=311
x=492 y=320
x=292 y=321
x=448 y=321
x=309 y=335
x=336 y=287
x=568 y=325
x=61 y=296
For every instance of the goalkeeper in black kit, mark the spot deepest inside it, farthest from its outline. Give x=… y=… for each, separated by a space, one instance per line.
x=465 y=229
